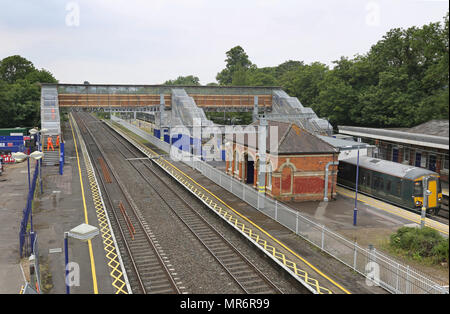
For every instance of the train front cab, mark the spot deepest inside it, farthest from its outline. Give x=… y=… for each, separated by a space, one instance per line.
x=434 y=192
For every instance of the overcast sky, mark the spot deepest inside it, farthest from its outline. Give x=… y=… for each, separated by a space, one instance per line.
x=151 y=41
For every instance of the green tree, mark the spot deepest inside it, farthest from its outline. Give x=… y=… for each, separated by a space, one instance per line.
x=14 y=68
x=20 y=92
x=237 y=60
x=189 y=80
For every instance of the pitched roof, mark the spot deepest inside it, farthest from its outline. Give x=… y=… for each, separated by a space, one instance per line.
x=290 y=139
x=432 y=127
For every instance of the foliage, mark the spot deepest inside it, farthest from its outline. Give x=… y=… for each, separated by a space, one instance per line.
x=230 y=118
x=421 y=243
x=401 y=81
x=237 y=63
x=189 y=80
x=20 y=92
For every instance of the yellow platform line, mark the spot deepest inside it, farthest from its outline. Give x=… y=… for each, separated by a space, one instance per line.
x=164 y=163
x=116 y=274
x=397 y=211
x=91 y=254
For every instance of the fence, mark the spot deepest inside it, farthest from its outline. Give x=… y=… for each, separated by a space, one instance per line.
x=378 y=268
x=27 y=238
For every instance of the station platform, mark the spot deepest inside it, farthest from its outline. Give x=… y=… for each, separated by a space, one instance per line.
x=68 y=201
x=406 y=215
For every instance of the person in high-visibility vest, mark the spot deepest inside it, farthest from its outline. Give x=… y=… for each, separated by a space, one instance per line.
x=57 y=141
x=49 y=143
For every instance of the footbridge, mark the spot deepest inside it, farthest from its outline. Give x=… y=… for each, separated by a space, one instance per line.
x=176 y=105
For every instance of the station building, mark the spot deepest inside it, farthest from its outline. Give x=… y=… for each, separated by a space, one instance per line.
x=424 y=146
x=295 y=170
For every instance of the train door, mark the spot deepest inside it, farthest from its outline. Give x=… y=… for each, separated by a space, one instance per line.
x=433 y=192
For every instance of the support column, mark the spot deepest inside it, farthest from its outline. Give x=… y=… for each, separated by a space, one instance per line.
x=262 y=135
x=161 y=110
x=255 y=109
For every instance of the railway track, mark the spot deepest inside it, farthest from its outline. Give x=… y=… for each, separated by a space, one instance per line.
x=150 y=275
x=239 y=268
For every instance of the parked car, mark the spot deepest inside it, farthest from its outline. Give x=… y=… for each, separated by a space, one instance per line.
x=1 y=165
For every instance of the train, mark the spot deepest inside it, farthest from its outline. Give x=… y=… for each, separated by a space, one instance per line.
x=395 y=183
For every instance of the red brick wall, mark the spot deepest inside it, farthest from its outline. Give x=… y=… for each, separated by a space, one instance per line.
x=298 y=177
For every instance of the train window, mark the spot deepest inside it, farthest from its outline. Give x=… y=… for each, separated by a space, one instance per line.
x=418 y=191
x=381 y=184
x=398 y=188
x=362 y=179
x=376 y=182
x=388 y=186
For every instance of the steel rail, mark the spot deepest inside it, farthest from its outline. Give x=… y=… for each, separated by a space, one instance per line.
x=111 y=205
x=192 y=211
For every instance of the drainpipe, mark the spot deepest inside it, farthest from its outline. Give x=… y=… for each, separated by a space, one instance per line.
x=334 y=163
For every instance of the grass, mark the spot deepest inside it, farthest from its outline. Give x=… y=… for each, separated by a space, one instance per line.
x=423 y=245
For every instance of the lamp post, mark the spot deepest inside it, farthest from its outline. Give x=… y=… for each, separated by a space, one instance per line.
x=355 y=210
x=36 y=155
x=83 y=232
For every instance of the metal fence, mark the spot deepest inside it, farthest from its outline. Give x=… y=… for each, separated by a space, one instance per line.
x=26 y=238
x=378 y=268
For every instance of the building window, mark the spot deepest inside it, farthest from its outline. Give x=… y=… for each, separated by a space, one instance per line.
x=236 y=161
x=432 y=163
x=418 y=159
x=423 y=162
x=406 y=154
x=445 y=163
x=395 y=154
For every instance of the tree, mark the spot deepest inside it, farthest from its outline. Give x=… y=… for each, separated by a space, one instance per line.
x=237 y=60
x=14 y=68
x=20 y=92
x=189 y=80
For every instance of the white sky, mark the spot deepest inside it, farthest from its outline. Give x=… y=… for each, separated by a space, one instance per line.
x=151 y=41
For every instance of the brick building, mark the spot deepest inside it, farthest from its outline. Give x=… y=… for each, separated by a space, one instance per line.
x=295 y=170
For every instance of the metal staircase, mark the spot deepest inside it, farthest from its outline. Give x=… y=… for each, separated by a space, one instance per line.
x=51 y=157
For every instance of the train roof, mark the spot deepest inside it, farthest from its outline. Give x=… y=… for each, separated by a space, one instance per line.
x=390 y=167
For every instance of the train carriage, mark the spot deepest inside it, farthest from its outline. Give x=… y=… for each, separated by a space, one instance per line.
x=395 y=183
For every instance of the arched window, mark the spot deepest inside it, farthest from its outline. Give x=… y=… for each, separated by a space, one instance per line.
x=286 y=180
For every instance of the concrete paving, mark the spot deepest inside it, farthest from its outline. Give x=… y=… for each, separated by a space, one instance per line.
x=13 y=195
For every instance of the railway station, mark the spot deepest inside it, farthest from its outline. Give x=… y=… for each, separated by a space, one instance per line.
x=126 y=200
